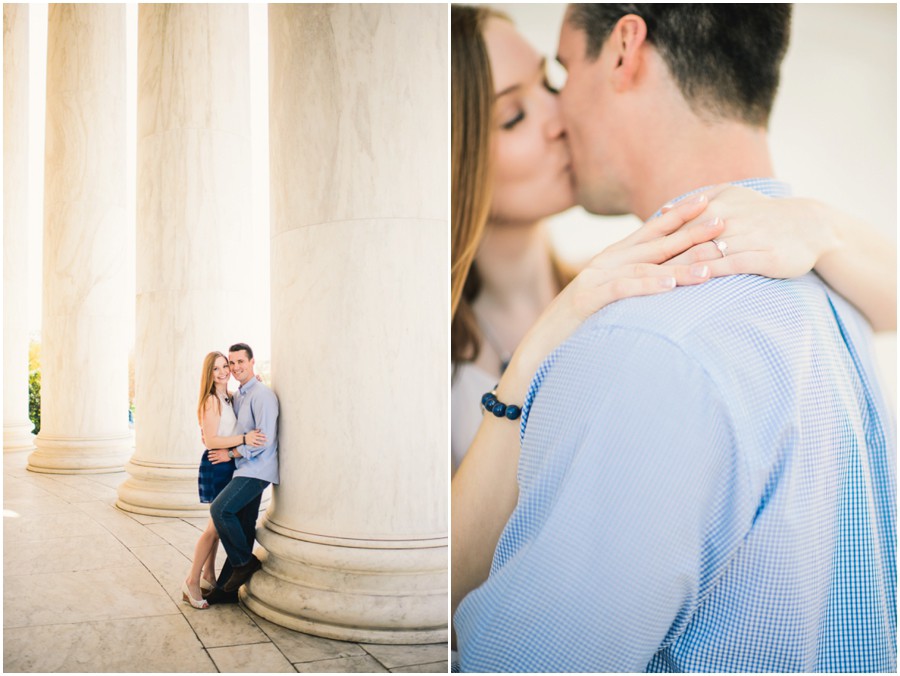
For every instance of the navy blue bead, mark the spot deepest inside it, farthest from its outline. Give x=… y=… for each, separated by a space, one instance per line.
x=485 y=397
x=513 y=412
x=489 y=403
x=499 y=409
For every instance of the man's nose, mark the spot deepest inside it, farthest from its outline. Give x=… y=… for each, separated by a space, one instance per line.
x=554 y=126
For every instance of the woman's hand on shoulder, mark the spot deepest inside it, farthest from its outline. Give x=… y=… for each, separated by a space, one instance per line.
x=635 y=266
x=778 y=238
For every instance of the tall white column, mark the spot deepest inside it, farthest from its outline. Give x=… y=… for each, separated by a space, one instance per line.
x=16 y=425
x=193 y=231
x=356 y=538
x=86 y=311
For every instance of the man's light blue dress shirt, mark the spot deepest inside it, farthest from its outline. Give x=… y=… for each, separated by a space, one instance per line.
x=256 y=407
x=707 y=483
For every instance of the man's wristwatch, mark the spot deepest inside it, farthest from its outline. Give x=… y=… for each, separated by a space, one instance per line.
x=231 y=453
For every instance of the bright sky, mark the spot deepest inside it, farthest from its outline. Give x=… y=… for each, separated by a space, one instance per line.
x=259 y=152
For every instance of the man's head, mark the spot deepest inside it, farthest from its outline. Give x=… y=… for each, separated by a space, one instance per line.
x=633 y=69
x=240 y=359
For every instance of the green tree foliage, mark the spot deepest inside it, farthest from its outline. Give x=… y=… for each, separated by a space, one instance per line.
x=34 y=399
x=34 y=384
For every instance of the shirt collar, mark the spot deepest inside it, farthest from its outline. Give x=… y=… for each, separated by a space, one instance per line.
x=770 y=187
x=249 y=385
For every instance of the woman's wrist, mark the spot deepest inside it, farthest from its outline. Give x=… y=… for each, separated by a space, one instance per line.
x=514 y=382
x=830 y=225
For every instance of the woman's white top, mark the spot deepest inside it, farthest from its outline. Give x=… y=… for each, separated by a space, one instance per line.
x=228 y=421
x=469 y=384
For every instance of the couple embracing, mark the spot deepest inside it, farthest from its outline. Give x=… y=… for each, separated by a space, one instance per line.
x=687 y=463
x=241 y=431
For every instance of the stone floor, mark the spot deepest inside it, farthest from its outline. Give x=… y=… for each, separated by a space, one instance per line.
x=89 y=588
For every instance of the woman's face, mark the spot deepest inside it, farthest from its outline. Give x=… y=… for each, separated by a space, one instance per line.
x=221 y=372
x=530 y=159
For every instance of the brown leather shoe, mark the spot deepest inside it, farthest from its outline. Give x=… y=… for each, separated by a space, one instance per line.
x=241 y=574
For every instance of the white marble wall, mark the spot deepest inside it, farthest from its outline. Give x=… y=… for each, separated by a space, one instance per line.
x=193 y=230
x=84 y=361
x=356 y=538
x=16 y=425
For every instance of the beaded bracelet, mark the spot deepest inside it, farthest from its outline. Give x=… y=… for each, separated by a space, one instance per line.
x=489 y=402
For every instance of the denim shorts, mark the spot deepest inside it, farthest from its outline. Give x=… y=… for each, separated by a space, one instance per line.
x=213 y=478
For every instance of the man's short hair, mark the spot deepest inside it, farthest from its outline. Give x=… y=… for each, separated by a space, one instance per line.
x=242 y=346
x=725 y=58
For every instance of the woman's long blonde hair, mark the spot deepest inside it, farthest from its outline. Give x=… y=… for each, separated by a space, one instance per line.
x=472 y=101
x=208 y=384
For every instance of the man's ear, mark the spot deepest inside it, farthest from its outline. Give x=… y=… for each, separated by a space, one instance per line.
x=628 y=36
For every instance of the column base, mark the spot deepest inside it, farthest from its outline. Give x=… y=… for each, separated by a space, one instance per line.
x=368 y=591
x=159 y=489
x=71 y=455
x=17 y=437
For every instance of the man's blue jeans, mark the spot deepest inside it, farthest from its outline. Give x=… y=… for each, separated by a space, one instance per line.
x=234 y=513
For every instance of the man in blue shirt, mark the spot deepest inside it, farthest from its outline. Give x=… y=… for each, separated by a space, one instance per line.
x=706 y=479
x=235 y=510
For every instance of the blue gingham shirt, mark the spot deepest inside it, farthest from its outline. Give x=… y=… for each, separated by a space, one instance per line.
x=706 y=483
x=256 y=408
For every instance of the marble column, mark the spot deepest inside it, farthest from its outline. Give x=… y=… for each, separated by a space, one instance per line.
x=356 y=539
x=86 y=307
x=193 y=230
x=16 y=425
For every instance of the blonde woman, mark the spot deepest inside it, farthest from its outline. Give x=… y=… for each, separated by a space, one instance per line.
x=217 y=422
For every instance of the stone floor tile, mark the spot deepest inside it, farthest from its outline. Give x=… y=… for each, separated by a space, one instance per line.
x=344 y=665
x=176 y=532
x=15 y=464
x=224 y=625
x=111 y=479
x=146 y=519
x=28 y=528
x=85 y=596
x=257 y=658
x=393 y=656
x=16 y=486
x=117 y=522
x=150 y=644
x=34 y=504
x=431 y=668
x=186 y=547
x=85 y=483
x=63 y=555
x=299 y=647
x=198 y=522
x=52 y=484
x=168 y=565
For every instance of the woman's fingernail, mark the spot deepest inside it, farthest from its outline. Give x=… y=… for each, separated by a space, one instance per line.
x=696 y=199
x=701 y=271
x=713 y=224
x=667 y=282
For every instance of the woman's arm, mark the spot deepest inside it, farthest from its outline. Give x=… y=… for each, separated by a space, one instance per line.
x=789 y=237
x=862 y=267
x=484 y=489
x=210 y=428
